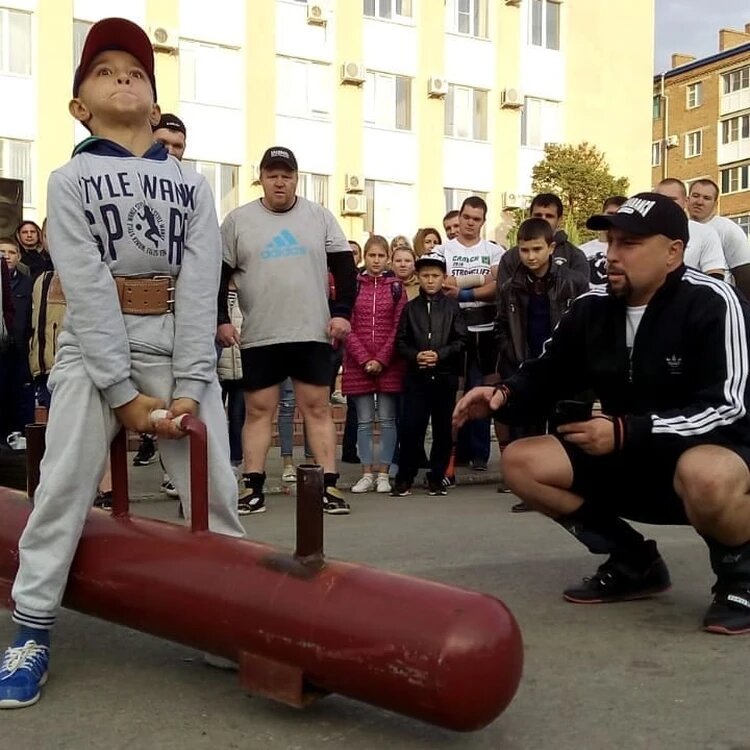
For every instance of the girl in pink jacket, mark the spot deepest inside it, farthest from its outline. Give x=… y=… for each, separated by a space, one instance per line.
x=372 y=369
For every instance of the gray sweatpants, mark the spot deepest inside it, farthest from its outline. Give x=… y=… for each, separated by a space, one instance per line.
x=80 y=429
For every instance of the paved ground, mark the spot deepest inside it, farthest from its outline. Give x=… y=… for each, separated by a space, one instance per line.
x=637 y=675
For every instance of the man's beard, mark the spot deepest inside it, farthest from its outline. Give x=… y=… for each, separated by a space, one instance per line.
x=623 y=292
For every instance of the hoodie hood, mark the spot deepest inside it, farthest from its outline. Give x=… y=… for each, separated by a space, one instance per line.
x=104 y=147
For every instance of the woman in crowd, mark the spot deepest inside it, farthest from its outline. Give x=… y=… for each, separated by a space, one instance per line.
x=400 y=241
x=425 y=240
x=402 y=265
x=372 y=369
x=33 y=253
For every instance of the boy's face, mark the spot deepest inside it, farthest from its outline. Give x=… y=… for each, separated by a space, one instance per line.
x=431 y=279
x=11 y=255
x=535 y=255
x=115 y=91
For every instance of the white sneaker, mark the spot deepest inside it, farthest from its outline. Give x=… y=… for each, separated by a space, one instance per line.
x=289 y=474
x=383 y=484
x=168 y=488
x=366 y=483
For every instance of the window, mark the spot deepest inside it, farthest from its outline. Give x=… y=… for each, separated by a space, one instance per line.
x=466 y=113
x=314 y=187
x=743 y=222
x=391 y=208
x=454 y=197
x=735 y=179
x=544 y=24
x=80 y=30
x=210 y=74
x=694 y=95
x=735 y=129
x=387 y=9
x=656 y=107
x=693 y=144
x=540 y=122
x=656 y=154
x=467 y=17
x=388 y=101
x=15 y=42
x=223 y=180
x=15 y=164
x=736 y=80
x=303 y=88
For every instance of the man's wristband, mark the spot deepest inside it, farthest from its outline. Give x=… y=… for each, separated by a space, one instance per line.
x=466 y=295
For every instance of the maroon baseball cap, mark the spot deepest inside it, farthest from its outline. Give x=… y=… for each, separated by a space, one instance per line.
x=120 y=34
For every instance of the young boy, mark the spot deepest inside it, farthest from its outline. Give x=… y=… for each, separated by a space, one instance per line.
x=431 y=338
x=121 y=208
x=530 y=304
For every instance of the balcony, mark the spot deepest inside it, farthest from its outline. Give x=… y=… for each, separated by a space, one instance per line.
x=727 y=153
x=734 y=102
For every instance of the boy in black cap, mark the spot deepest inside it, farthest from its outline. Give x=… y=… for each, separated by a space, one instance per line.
x=431 y=338
x=136 y=244
x=665 y=350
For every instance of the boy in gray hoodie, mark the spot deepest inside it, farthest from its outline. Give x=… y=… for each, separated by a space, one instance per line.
x=136 y=243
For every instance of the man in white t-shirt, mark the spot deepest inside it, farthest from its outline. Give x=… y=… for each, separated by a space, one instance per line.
x=596 y=250
x=702 y=207
x=703 y=251
x=471 y=263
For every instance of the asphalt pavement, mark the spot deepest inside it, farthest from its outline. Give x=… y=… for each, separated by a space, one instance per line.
x=633 y=675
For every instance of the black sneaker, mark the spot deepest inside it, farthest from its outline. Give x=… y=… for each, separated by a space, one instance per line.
x=103 y=500
x=479 y=465
x=449 y=482
x=146 y=452
x=252 y=499
x=401 y=489
x=520 y=508
x=729 y=613
x=503 y=488
x=334 y=503
x=437 y=489
x=616 y=581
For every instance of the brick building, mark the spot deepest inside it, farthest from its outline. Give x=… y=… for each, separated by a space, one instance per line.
x=701 y=122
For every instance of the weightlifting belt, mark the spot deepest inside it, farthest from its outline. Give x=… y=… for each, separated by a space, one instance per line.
x=144 y=296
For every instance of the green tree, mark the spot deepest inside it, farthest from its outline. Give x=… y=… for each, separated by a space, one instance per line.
x=580 y=176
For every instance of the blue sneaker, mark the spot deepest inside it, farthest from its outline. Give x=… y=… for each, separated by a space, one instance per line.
x=22 y=674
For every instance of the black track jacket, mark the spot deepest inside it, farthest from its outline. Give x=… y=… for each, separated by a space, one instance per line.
x=686 y=383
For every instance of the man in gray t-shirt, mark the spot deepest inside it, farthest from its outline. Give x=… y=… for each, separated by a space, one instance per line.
x=279 y=250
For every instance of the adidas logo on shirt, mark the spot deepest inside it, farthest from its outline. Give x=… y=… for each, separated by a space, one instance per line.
x=283 y=245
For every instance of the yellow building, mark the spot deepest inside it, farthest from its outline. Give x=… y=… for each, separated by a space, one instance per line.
x=396 y=109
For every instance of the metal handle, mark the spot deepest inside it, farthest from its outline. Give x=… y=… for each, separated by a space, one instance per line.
x=197 y=436
x=310 y=490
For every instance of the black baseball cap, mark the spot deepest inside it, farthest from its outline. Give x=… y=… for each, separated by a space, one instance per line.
x=279 y=155
x=171 y=122
x=120 y=34
x=430 y=259
x=646 y=214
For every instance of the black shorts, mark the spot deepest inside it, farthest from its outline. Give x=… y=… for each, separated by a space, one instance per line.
x=308 y=362
x=637 y=484
x=481 y=350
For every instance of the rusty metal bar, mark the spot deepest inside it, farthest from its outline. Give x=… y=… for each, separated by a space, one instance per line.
x=35 y=447
x=119 y=463
x=309 y=548
x=198 y=472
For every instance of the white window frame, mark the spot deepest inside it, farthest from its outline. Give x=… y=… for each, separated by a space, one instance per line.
x=382 y=108
x=535 y=106
x=472 y=12
x=736 y=80
x=454 y=197
x=9 y=41
x=6 y=144
x=215 y=172
x=656 y=154
x=475 y=102
x=542 y=38
x=693 y=144
x=741 y=127
x=743 y=222
x=694 y=95
x=202 y=87
x=309 y=183
x=389 y=10
x=316 y=101
x=738 y=179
